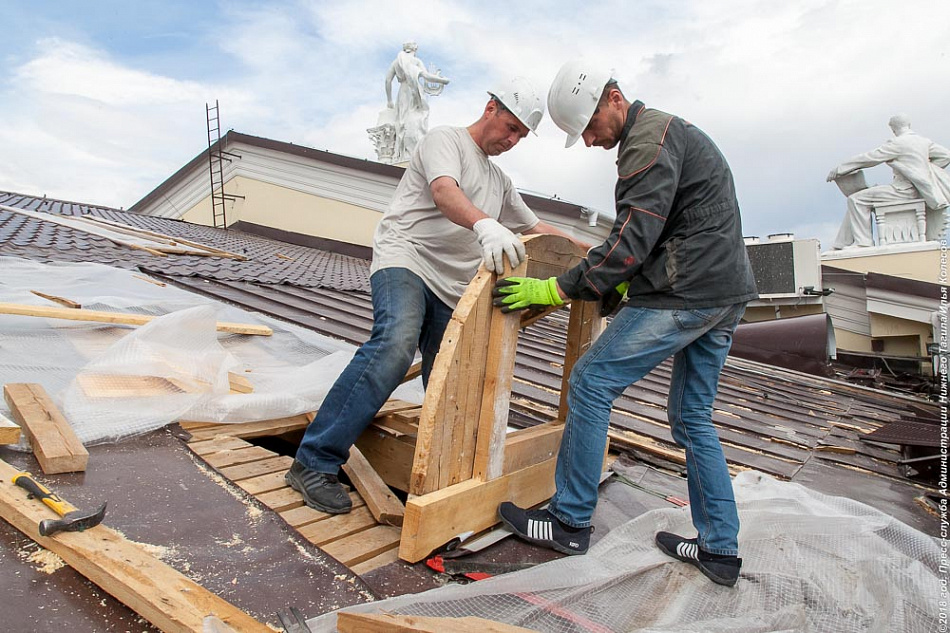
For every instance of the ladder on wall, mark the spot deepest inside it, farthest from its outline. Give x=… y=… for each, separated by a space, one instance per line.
x=216 y=167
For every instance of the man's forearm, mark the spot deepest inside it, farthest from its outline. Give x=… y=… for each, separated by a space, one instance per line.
x=454 y=204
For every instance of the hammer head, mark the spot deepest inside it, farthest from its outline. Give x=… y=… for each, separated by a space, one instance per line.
x=75 y=521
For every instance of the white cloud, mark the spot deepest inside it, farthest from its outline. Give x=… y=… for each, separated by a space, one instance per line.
x=786 y=90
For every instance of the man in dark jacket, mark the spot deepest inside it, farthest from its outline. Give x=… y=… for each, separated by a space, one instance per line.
x=677 y=249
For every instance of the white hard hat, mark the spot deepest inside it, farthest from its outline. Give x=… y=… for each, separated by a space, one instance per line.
x=574 y=94
x=522 y=100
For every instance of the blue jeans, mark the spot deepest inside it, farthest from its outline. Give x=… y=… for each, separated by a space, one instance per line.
x=406 y=316
x=636 y=341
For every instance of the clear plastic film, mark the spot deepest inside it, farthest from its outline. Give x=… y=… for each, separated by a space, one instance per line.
x=812 y=562
x=114 y=381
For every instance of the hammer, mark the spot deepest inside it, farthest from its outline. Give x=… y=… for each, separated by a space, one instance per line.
x=72 y=520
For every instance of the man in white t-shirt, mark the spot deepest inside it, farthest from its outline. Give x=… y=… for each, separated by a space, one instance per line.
x=453 y=209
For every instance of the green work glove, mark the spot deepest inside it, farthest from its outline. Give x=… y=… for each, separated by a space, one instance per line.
x=518 y=293
x=613 y=298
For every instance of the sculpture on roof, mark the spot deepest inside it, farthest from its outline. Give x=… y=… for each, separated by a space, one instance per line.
x=404 y=122
x=919 y=173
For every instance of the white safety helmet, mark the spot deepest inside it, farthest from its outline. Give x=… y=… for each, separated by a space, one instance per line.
x=574 y=94
x=522 y=100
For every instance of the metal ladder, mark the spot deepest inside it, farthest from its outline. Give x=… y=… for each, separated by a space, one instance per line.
x=215 y=167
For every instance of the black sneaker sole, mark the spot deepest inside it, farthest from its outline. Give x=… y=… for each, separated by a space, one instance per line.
x=557 y=547
x=307 y=499
x=725 y=582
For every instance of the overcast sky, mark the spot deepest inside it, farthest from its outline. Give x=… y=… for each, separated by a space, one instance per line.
x=101 y=101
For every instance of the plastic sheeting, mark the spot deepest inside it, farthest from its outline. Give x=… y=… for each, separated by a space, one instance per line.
x=812 y=562
x=116 y=381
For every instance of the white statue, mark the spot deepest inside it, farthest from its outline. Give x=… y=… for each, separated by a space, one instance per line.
x=411 y=109
x=918 y=164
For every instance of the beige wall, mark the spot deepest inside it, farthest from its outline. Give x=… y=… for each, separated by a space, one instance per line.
x=281 y=208
x=919 y=265
x=852 y=342
x=910 y=336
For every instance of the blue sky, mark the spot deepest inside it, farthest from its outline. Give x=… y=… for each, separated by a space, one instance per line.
x=102 y=101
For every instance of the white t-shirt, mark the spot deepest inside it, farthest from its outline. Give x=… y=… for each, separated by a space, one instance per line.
x=414 y=234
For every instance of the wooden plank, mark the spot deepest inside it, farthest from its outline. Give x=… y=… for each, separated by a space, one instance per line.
x=389 y=623
x=496 y=391
x=9 y=431
x=119 y=318
x=583 y=328
x=380 y=560
x=217 y=444
x=338 y=526
x=235 y=456
x=55 y=444
x=282 y=499
x=279 y=464
x=239 y=383
x=255 y=429
x=471 y=384
x=264 y=483
x=357 y=548
x=380 y=500
x=394 y=406
x=390 y=458
x=533 y=445
x=63 y=301
x=124 y=569
x=301 y=515
x=434 y=519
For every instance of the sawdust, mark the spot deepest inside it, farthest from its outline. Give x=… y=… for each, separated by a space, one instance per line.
x=46 y=561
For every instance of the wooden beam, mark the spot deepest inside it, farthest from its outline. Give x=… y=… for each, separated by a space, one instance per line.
x=9 y=431
x=123 y=568
x=388 y=623
x=55 y=444
x=526 y=447
x=252 y=429
x=435 y=518
x=119 y=318
x=380 y=500
x=362 y=546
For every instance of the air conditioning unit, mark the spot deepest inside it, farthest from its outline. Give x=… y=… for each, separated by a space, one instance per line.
x=785 y=267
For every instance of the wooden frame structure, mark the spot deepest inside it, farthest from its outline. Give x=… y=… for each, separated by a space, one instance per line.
x=464 y=463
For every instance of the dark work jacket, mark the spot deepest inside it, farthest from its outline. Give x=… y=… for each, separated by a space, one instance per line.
x=678 y=236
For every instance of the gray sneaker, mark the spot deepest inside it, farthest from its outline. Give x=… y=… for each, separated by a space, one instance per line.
x=321 y=491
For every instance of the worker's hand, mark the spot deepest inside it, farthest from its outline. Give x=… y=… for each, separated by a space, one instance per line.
x=613 y=298
x=497 y=241
x=518 y=293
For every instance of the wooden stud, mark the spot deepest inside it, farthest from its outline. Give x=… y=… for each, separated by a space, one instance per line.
x=123 y=568
x=221 y=443
x=384 y=505
x=389 y=623
x=526 y=447
x=9 y=431
x=380 y=560
x=390 y=457
x=241 y=455
x=583 y=328
x=119 y=318
x=436 y=518
x=265 y=428
x=55 y=444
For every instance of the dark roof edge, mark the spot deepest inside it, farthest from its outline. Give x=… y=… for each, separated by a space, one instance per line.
x=889 y=283
x=300 y=239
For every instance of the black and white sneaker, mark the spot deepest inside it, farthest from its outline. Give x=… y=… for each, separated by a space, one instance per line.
x=320 y=491
x=722 y=570
x=543 y=528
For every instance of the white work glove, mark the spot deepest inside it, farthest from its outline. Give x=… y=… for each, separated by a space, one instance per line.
x=495 y=241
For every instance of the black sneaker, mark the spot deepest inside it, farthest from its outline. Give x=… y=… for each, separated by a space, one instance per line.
x=320 y=491
x=543 y=528
x=722 y=570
